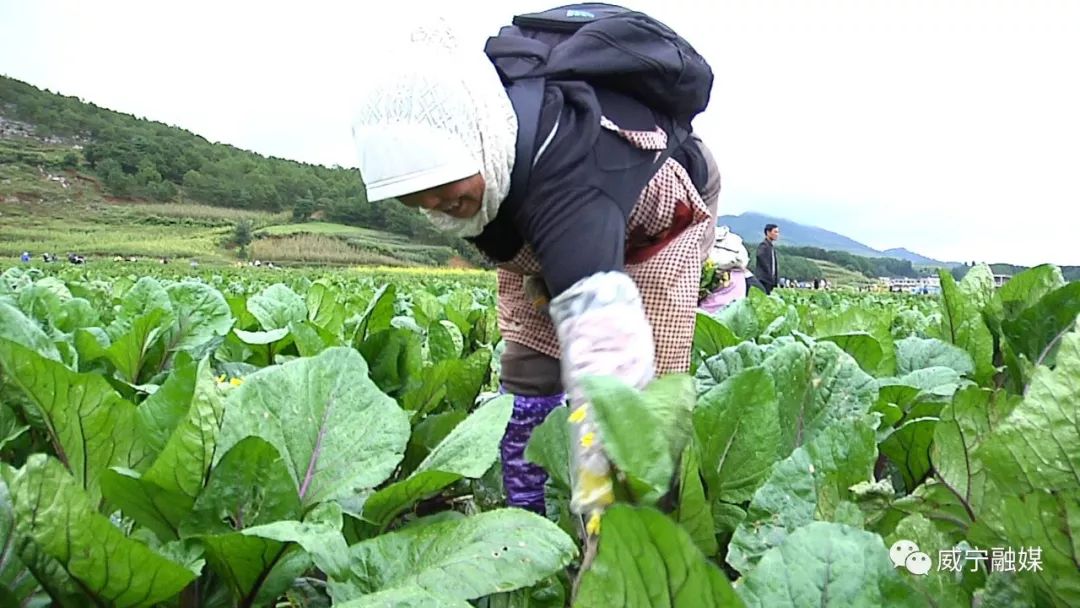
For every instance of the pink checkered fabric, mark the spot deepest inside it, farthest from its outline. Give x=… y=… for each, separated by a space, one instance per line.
x=668 y=280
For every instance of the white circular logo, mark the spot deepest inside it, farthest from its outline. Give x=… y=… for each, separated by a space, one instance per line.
x=900 y=551
x=918 y=563
x=906 y=554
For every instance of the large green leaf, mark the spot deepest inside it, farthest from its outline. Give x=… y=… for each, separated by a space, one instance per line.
x=931 y=383
x=472 y=447
x=816 y=388
x=737 y=429
x=1036 y=333
x=202 y=314
x=130 y=351
x=165 y=493
x=940 y=588
x=694 y=512
x=250 y=486
x=830 y=565
x=395 y=360
x=17 y=584
x=324 y=307
x=182 y=466
x=307 y=339
x=977 y=286
x=913 y=354
x=74 y=314
x=1038 y=445
x=277 y=306
x=158 y=416
x=469 y=451
x=965 y=423
x=1006 y=590
x=427 y=434
x=496 y=551
x=319 y=534
x=962 y=324
x=379 y=312
x=147 y=504
x=145 y=297
x=52 y=509
x=711 y=336
x=444 y=341
x=1047 y=522
x=723 y=364
x=426 y=308
x=877 y=323
x=466 y=378
x=908 y=447
x=405 y=597
x=24 y=566
x=339 y=434
x=43 y=300
x=645 y=559
x=620 y=413
x=430 y=393
x=809 y=485
x=1026 y=288
x=549 y=447
x=17 y=328
x=90 y=425
x=862 y=347
x=740 y=319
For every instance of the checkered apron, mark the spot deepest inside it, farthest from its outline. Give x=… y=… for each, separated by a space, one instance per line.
x=668 y=278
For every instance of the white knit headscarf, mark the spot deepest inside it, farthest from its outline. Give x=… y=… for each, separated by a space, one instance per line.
x=436 y=113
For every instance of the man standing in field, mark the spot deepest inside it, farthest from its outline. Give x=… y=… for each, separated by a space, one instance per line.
x=767 y=270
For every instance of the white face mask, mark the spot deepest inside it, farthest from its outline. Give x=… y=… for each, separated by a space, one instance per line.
x=471 y=226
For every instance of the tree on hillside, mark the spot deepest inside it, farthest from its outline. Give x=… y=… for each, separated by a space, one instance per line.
x=243 y=233
x=116 y=181
x=303 y=209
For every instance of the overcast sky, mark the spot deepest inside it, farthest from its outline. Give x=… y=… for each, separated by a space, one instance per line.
x=949 y=127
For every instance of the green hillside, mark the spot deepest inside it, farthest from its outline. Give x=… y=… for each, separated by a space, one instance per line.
x=114 y=159
x=46 y=207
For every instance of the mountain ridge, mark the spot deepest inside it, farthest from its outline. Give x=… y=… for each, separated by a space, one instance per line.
x=750 y=226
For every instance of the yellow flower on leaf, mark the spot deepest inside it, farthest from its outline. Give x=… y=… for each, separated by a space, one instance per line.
x=593 y=526
x=588 y=439
x=578 y=415
x=236 y=381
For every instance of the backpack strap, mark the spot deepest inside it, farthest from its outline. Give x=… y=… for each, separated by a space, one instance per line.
x=515 y=58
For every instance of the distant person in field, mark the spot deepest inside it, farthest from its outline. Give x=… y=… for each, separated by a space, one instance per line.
x=768 y=271
x=599 y=253
x=725 y=278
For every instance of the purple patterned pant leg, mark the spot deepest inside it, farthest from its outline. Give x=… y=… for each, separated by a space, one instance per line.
x=524 y=481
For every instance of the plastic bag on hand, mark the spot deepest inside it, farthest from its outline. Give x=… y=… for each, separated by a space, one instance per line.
x=603 y=332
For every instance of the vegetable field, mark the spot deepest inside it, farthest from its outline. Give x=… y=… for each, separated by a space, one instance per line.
x=235 y=437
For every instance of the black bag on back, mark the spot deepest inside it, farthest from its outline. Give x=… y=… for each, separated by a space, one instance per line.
x=606 y=46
